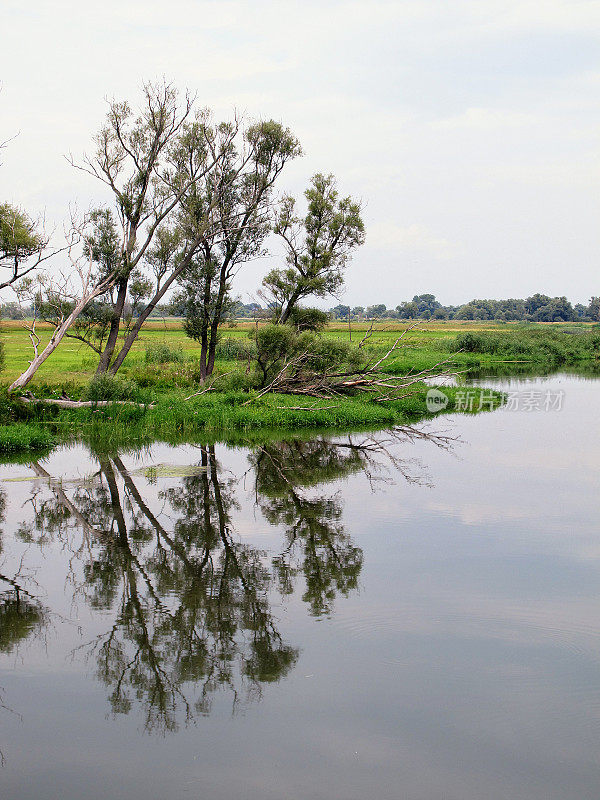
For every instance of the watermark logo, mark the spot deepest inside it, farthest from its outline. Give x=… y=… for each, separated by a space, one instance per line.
x=436 y=401
x=525 y=400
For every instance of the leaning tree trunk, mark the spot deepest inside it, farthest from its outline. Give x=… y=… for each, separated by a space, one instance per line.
x=289 y=306
x=55 y=340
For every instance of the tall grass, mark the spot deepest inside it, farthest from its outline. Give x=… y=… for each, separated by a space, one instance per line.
x=21 y=438
x=543 y=346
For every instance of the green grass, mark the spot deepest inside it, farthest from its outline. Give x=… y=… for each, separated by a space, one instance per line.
x=225 y=416
x=22 y=438
x=73 y=364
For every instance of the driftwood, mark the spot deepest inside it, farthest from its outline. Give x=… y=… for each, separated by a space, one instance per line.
x=61 y=403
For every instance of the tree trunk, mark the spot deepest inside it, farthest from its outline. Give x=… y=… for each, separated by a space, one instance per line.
x=134 y=332
x=214 y=327
x=55 y=340
x=115 y=323
x=285 y=314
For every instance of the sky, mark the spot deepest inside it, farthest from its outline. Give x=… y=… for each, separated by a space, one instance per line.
x=468 y=129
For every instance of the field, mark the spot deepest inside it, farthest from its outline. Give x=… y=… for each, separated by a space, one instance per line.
x=73 y=363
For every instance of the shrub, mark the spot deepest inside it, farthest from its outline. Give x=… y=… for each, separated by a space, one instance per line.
x=164 y=354
x=330 y=354
x=274 y=343
x=308 y=319
x=111 y=387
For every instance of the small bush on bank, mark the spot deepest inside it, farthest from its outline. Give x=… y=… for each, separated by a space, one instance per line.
x=276 y=344
x=112 y=387
x=163 y=354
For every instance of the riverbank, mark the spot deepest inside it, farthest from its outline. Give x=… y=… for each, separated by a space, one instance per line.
x=154 y=386
x=232 y=417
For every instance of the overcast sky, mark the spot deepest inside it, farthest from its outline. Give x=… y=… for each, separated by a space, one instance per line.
x=469 y=129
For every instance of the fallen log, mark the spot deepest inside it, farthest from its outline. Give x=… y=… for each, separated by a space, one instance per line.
x=83 y=403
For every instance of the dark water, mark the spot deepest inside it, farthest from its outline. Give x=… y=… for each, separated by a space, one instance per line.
x=385 y=616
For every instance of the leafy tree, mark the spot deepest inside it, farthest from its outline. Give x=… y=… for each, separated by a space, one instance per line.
x=377 y=311
x=340 y=311
x=223 y=219
x=22 y=244
x=317 y=246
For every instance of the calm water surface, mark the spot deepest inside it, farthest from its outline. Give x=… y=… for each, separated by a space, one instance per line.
x=368 y=616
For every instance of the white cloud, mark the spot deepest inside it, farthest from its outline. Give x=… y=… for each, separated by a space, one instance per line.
x=460 y=121
x=411 y=238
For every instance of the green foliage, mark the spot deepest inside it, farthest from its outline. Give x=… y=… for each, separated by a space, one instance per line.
x=230 y=349
x=112 y=387
x=318 y=245
x=160 y=353
x=326 y=355
x=19 y=237
x=542 y=346
x=21 y=437
x=308 y=319
x=274 y=345
x=12 y=409
x=2 y=358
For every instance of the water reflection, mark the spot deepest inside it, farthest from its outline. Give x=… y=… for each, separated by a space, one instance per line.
x=190 y=603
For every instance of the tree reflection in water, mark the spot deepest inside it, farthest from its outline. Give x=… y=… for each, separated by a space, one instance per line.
x=192 y=603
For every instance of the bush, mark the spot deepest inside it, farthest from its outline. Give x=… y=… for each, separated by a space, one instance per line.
x=277 y=343
x=274 y=343
x=476 y=343
x=164 y=354
x=330 y=354
x=111 y=387
x=308 y=319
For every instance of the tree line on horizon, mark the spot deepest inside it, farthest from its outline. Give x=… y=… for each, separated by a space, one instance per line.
x=537 y=308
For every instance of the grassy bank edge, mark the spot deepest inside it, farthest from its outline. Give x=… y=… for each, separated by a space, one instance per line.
x=221 y=416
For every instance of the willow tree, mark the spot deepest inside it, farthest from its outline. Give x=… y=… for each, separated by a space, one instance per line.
x=239 y=194
x=187 y=193
x=318 y=245
x=139 y=159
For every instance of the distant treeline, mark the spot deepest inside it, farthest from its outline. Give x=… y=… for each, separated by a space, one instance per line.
x=537 y=308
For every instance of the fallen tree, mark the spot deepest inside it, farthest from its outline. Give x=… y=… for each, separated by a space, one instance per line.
x=304 y=373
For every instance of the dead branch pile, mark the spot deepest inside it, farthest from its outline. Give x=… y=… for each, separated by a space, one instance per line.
x=297 y=377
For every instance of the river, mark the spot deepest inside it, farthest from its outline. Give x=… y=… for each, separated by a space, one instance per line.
x=409 y=614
